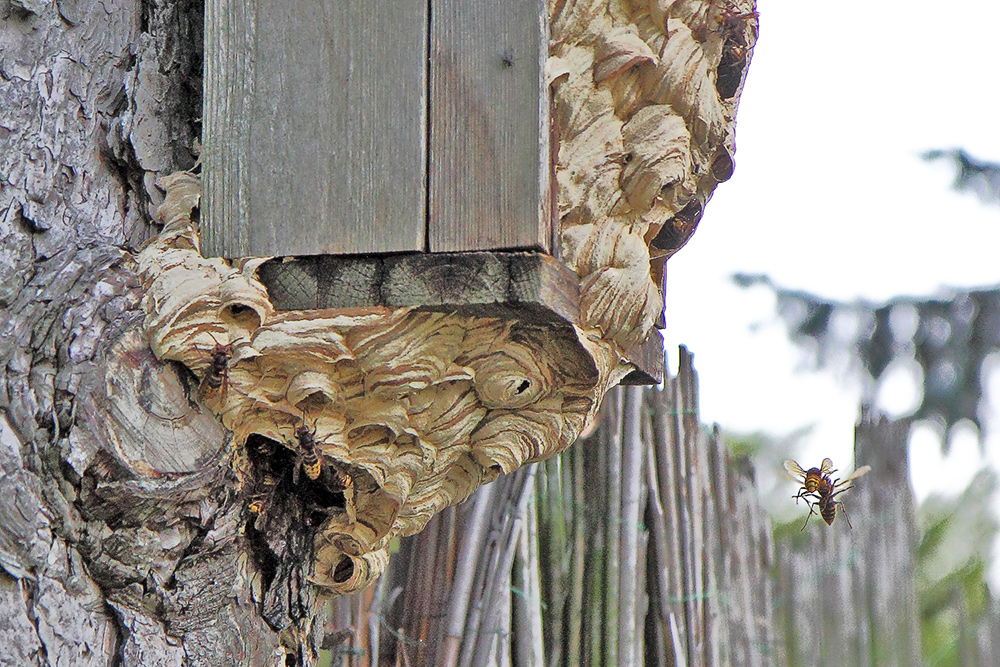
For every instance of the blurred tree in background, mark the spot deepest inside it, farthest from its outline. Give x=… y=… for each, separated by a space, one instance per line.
x=975 y=176
x=949 y=342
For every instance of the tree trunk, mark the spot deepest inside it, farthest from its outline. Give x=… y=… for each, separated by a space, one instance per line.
x=120 y=541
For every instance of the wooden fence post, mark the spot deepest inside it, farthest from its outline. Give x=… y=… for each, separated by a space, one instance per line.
x=887 y=539
x=847 y=598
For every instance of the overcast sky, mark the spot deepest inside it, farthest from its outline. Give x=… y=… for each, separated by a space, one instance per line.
x=830 y=196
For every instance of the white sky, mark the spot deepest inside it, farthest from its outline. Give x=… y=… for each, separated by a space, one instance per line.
x=830 y=196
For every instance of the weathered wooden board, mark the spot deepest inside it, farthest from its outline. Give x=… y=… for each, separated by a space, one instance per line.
x=471 y=282
x=527 y=286
x=648 y=359
x=489 y=127
x=315 y=127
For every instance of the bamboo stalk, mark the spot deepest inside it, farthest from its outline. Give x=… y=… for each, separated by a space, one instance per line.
x=499 y=580
x=390 y=609
x=711 y=554
x=717 y=503
x=680 y=657
x=444 y=576
x=665 y=429
x=342 y=615
x=552 y=511
x=500 y=653
x=370 y=614
x=574 y=646
x=658 y=530
x=461 y=589
x=642 y=602
x=359 y=656
x=693 y=442
x=595 y=472
x=521 y=638
x=418 y=600
x=677 y=452
x=486 y=567
x=613 y=528
x=595 y=625
x=527 y=605
x=631 y=491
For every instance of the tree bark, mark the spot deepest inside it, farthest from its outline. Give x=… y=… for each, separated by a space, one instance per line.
x=120 y=535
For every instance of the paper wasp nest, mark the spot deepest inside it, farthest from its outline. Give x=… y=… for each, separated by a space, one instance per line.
x=645 y=105
x=380 y=417
x=415 y=409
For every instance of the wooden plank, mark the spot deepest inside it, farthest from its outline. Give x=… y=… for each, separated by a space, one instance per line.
x=658 y=272
x=489 y=126
x=649 y=361
x=315 y=130
x=523 y=285
x=230 y=31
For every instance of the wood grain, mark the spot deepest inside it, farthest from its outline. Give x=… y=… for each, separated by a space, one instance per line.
x=228 y=84
x=489 y=129
x=314 y=128
x=459 y=281
x=648 y=359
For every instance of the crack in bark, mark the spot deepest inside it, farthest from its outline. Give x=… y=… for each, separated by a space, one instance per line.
x=30 y=587
x=118 y=624
x=280 y=534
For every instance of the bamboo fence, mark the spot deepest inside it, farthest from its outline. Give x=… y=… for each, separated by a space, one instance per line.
x=645 y=544
x=847 y=598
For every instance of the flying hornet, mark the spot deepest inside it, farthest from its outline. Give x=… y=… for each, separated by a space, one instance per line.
x=820 y=491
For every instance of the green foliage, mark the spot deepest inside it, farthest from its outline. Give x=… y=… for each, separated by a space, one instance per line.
x=791 y=533
x=952 y=563
x=748 y=445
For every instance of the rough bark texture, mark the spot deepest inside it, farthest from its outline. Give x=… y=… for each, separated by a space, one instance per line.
x=119 y=542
